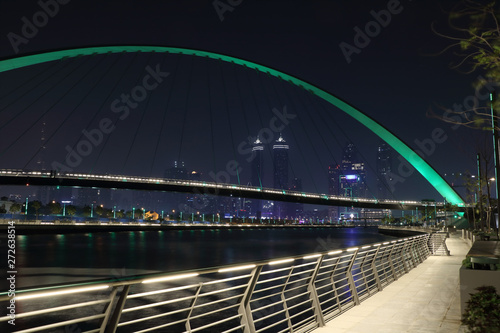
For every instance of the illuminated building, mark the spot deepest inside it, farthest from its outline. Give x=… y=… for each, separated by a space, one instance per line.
x=384 y=168
x=257 y=176
x=280 y=166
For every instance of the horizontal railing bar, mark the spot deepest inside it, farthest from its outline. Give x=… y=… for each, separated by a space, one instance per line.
x=287 y=268
x=295 y=288
x=214 y=311
x=267 y=306
x=298 y=295
x=269 y=316
x=272 y=325
x=152 y=305
x=217 y=301
x=306 y=319
x=162 y=291
x=165 y=314
x=214 y=292
x=299 y=304
x=55 y=309
x=272 y=279
x=62 y=323
x=154 y=328
x=264 y=297
x=234 y=329
x=215 y=323
x=228 y=279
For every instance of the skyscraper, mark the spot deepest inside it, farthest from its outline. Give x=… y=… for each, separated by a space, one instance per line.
x=353 y=178
x=384 y=168
x=280 y=166
x=334 y=173
x=352 y=181
x=257 y=176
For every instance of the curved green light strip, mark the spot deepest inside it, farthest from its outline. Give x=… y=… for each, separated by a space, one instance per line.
x=413 y=158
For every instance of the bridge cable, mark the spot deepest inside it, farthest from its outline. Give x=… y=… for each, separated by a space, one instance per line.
x=3 y=152
x=165 y=113
x=305 y=106
x=229 y=118
x=211 y=117
x=292 y=132
x=245 y=119
x=258 y=108
x=137 y=82
x=310 y=96
x=313 y=146
x=138 y=128
x=341 y=130
x=30 y=80
x=78 y=104
x=112 y=90
x=44 y=94
x=186 y=103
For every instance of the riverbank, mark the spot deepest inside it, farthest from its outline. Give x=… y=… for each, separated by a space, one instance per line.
x=30 y=228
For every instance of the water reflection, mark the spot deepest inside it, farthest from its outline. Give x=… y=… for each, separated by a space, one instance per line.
x=174 y=250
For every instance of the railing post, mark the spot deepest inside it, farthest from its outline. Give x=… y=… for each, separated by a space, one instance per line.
x=374 y=269
x=193 y=302
x=107 y=310
x=413 y=252
x=403 y=256
x=115 y=318
x=334 y=269
x=244 y=308
x=314 y=295
x=350 y=278
x=391 y=264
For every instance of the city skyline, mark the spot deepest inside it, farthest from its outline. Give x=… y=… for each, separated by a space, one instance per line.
x=385 y=101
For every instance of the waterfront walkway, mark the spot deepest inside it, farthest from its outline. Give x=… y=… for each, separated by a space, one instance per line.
x=427 y=299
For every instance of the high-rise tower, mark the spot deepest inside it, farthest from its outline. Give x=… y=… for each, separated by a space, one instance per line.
x=353 y=178
x=280 y=166
x=257 y=176
x=384 y=168
x=258 y=150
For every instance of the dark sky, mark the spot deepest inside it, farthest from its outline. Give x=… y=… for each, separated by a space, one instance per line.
x=395 y=78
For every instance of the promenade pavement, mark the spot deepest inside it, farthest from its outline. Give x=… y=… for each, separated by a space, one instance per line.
x=427 y=299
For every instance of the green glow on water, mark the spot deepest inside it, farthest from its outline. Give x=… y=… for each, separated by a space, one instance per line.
x=404 y=150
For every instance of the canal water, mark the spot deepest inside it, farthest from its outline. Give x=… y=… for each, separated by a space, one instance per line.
x=54 y=259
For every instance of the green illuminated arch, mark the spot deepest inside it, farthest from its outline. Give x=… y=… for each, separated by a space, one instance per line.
x=413 y=158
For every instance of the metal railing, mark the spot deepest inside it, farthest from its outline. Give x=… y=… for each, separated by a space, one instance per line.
x=295 y=294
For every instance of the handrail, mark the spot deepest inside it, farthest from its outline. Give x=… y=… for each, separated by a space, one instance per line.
x=296 y=293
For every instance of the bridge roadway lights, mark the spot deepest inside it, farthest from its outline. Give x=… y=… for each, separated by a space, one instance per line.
x=117 y=182
x=404 y=150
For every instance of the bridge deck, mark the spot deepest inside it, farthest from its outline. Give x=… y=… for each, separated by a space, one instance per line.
x=427 y=299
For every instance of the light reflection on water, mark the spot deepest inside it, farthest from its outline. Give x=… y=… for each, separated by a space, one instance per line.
x=175 y=250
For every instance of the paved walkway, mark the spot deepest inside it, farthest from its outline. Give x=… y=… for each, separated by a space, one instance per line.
x=427 y=299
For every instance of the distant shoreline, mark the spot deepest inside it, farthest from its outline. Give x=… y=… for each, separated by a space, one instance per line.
x=23 y=228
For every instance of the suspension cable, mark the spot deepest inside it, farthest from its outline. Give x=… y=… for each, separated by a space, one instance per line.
x=77 y=106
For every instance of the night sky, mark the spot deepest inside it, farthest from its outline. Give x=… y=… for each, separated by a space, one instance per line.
x=396 y=77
